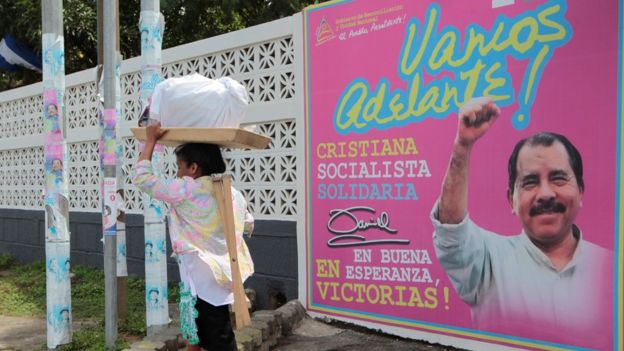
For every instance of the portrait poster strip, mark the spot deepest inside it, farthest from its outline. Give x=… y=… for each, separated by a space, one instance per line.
x=384 y=84
x=152 y=26
x=56 y=195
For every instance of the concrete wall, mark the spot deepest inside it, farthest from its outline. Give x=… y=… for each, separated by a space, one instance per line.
x=273 y=247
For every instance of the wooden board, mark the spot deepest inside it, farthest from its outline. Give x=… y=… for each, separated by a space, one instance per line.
x=223 y=191
x=225 y=137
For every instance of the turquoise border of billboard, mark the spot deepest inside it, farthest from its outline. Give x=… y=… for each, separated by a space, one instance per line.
x=618 y=303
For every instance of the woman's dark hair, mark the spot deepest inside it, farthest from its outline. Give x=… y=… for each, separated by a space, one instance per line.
x=546 y=139
x=207 y=157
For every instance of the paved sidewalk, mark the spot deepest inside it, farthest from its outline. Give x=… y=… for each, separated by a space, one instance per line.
x=28 y=333
x=22 y=333
x=313 y=335
x=289 y=328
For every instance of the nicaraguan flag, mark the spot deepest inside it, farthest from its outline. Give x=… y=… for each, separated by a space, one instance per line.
x=14 y=54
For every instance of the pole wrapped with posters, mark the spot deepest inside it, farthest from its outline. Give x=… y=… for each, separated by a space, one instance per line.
x=151 y=27
x=462 y=171
x=122 y=266
x=56 y=199
x=121 y=257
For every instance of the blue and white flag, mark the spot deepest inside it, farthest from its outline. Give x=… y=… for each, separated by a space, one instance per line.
x=14 y=54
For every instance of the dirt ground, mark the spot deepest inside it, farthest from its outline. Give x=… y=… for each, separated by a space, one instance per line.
x=22 y=333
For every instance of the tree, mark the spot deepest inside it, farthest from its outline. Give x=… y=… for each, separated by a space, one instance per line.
x=22 y=19
x=185 y=21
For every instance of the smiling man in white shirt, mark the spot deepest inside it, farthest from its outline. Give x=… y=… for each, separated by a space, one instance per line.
x=548 y=282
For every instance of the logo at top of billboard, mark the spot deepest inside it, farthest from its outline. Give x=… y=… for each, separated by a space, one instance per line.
x=324 y=33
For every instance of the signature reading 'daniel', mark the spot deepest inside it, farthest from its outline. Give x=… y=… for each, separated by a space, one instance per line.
x=344 y=235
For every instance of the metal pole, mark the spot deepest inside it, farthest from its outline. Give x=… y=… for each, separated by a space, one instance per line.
x=151 y=26
x=109 y=163
x=122 y=271
x=122 y=267
x=56 y=200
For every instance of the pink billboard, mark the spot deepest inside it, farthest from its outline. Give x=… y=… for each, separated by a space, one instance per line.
x=463 y=168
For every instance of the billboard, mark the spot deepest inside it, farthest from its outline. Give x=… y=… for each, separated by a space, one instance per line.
x=419 y=215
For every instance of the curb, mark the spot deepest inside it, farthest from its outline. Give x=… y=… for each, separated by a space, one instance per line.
x=267 y=327
x=166 y=340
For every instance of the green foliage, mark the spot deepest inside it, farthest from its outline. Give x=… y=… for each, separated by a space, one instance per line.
x=253 y=12
x=6 y=261
x=91 y=338
x=23 y=293
x=22 y=19
x=188 y=21
x=80 y=34
x=87 y=292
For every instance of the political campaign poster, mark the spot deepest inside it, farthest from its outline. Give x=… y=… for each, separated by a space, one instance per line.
x=463 y=169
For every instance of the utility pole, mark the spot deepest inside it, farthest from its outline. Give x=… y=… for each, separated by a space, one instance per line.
x=56 y=199
x=151 y=26
x=122 y=267
x=108 y=161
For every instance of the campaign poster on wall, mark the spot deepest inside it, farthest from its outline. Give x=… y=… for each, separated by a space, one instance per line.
x=463 y=169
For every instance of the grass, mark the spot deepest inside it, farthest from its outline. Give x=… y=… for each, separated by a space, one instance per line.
x=6 y=261
x=24 y=294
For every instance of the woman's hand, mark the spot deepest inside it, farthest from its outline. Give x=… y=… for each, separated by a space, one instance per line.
x=154 y=132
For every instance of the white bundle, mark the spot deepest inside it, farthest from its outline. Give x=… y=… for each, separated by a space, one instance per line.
x=197 y=101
